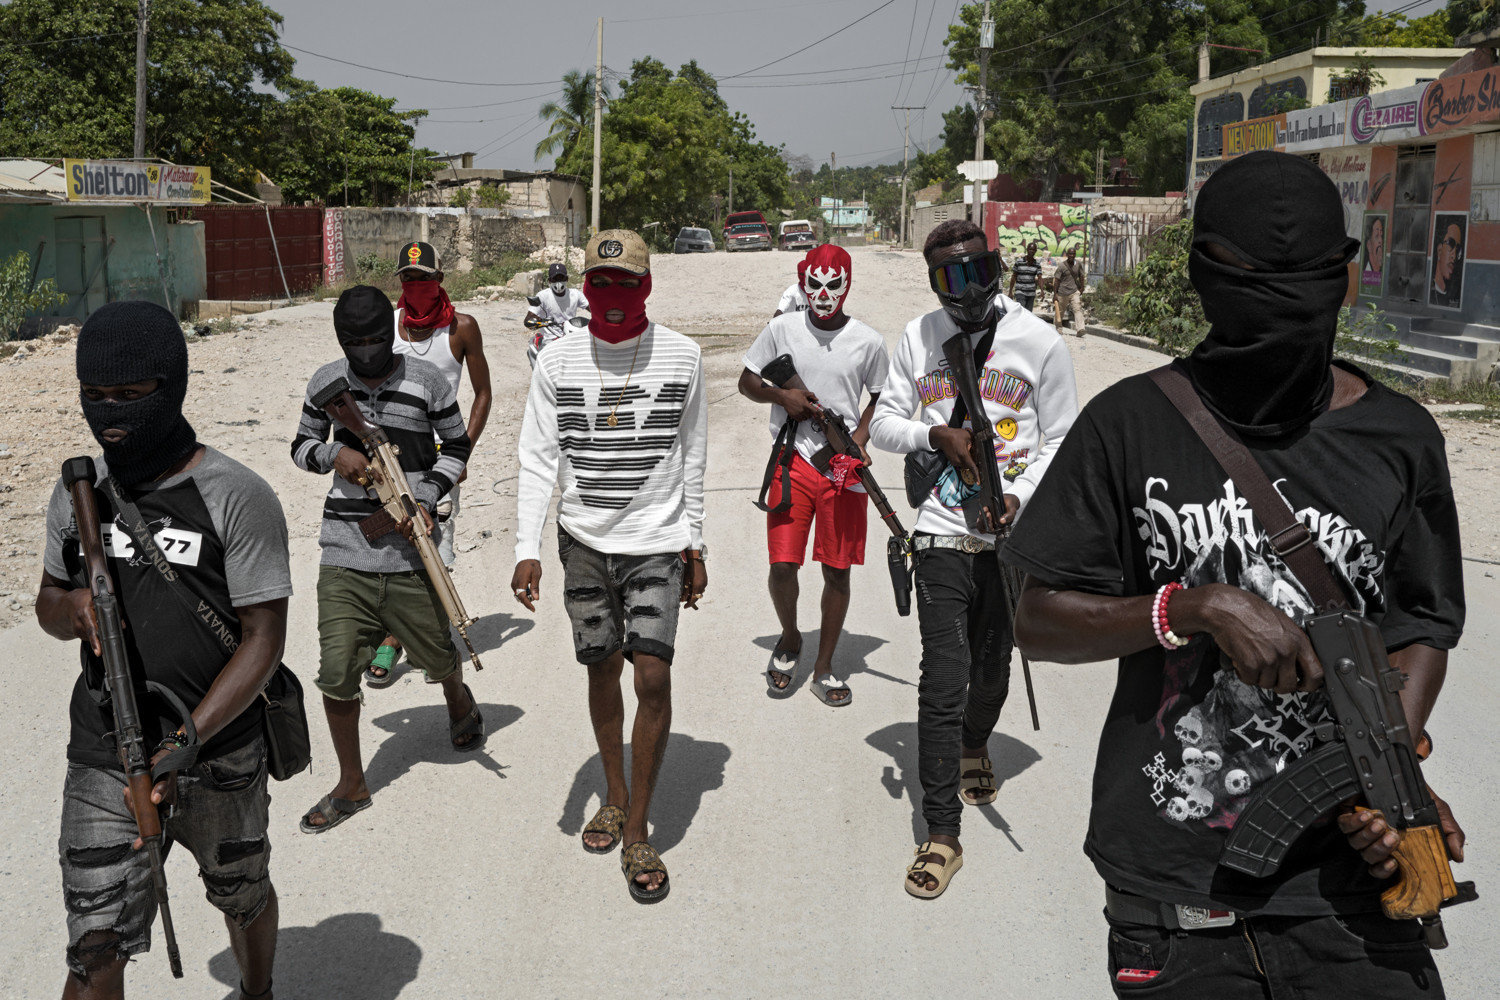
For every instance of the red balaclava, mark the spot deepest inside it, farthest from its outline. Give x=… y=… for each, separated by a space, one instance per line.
x=630 y=301
x=424 y=305
x=826 y=274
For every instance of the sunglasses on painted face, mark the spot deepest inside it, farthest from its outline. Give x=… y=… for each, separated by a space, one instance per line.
x=954 y=276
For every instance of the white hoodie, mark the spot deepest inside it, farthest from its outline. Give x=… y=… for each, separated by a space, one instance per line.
x=1029 y=395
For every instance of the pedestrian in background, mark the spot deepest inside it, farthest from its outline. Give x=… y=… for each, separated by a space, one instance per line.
x=1024 y=275
x=1067 y=289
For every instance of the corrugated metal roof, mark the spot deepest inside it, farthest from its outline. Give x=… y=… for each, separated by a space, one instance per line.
x=36 y=178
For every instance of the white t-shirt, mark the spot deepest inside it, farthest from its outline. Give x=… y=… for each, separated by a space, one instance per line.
x=558 y=310
x=794 y=299
x=1029 y=395
x=839 y=366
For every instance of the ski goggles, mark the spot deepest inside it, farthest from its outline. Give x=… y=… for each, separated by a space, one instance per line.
x=954 y=276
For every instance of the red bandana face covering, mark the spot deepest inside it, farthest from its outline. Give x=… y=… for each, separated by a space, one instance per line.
x=630 y=301
x=825 y=279
x=424 y=305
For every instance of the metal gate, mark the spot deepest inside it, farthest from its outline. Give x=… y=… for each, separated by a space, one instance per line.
x=1118 y=241
x=242 y=262
x=1406 y=265
x=81 y=262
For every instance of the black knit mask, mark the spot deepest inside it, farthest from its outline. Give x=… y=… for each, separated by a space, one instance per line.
x=364 y=312
x=126 y=342
x=1264 y=366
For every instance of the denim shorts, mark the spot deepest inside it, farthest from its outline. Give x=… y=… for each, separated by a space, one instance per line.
x=619 y=602
x=220 y=817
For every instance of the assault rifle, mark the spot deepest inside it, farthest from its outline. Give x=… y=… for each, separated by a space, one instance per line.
x=1365 y=750
x=396 y=501
x=130 y=741
x=983 y=510
x=782 y=373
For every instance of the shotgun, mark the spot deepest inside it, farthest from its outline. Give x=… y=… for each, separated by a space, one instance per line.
x=782 y=373
x=130 y=740
x=983 y=509
x=396 y=501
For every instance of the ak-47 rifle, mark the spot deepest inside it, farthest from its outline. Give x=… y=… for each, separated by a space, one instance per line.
x=396 y=501
x=983 y=510
x=1365 y=750
x=130 y=740
x=782 y=372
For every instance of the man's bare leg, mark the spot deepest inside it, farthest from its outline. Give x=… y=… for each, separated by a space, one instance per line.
x=459 y=702
x=343 y=727
x=106 y=969
x=648 y=745
x=607 y=713
x=835 y=608
x=254 y=949
x=784 y=593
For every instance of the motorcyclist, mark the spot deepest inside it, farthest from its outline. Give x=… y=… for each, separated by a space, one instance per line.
x=551 y=310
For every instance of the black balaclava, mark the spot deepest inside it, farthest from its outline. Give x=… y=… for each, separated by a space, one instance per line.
x=126 y=342
x=1264 y=366
x=364 y=311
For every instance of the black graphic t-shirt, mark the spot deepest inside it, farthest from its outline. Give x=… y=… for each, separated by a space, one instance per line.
x=221 y=528
x=1134 y=500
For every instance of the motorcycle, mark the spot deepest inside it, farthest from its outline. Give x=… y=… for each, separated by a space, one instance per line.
x=544 y=331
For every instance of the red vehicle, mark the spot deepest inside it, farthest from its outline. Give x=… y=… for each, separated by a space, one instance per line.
x=747 y=231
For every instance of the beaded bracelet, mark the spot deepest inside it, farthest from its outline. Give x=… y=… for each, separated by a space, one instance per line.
x=1159 y=623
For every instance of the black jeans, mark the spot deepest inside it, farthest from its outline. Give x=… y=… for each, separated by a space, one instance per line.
x=966 y=644
x=1278 y=958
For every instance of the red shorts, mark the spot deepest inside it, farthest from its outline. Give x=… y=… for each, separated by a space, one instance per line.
x=839 y=541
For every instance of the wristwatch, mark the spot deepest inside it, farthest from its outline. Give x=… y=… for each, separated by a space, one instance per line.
x=700 y=553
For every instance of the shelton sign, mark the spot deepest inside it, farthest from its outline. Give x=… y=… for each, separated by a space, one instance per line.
x=132 y=181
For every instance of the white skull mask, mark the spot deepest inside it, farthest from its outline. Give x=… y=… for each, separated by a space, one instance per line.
x=1237 y=782
x=825 y=288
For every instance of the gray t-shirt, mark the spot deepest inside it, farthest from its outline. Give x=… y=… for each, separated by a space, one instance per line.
x=221 y=528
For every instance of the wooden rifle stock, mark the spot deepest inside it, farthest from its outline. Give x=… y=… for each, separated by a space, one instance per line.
x=135 y=757
x=983 y=511
x=396 y=500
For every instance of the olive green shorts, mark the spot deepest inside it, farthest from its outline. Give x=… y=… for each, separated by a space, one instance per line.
x=356 y=611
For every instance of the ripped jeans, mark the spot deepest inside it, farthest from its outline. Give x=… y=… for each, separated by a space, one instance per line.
x=620 y=602
x=220 y=817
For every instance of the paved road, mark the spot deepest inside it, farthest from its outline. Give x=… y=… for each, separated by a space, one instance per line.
x=786 y=824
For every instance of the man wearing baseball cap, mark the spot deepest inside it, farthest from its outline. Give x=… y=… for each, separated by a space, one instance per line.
x=551 y=309
x=427 y=327
x=618 y=420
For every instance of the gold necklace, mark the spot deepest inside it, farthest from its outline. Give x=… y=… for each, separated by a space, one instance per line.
x=611 y=420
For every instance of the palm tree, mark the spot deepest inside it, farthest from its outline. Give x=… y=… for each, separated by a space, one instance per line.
x=572 y=117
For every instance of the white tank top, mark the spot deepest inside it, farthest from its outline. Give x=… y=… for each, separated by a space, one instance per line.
x=435 y=350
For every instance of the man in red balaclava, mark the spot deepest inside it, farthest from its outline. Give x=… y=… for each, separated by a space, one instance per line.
x=840 y=359
x=618 y=420
x=429 y=329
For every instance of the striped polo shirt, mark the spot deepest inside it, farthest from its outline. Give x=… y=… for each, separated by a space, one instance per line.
x=413 y=404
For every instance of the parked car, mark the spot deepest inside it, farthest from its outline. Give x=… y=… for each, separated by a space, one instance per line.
x=743 y=218
x=796 y=234
x=748 y=236
x=693 y=241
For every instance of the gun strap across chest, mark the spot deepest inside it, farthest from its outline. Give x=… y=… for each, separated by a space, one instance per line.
x=1288 y=536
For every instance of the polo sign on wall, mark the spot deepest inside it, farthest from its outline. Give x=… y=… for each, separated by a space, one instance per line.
x=128 y=180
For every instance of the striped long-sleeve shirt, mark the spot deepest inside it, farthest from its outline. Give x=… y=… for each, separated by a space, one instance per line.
x=412 y=405
x=635 y=488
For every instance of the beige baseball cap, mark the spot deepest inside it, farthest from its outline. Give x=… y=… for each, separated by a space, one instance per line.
x=617 y=248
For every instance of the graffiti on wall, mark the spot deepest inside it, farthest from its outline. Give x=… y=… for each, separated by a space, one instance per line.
x=1054 y=226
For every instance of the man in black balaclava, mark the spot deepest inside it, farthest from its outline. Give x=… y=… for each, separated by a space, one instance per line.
x=1139 y=546
x=223 y=559
x=143 y=433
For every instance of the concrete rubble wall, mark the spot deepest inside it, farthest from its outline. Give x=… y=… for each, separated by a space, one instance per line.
x=463 y=241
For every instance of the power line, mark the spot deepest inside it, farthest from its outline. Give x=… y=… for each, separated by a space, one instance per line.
x=820 y=41
x=910 y=34
x=931 y=10
x=496 y=104
x=412 y=76
x=62 y=41
x=842 y=69
x=716 y=13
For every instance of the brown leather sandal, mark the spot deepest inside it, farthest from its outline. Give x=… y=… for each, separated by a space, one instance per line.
x=610 y=820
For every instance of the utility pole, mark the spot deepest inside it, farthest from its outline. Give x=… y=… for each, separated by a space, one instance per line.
x=986 y=43
x=838 y=206
x=142 y=12
x=731 y=189
x=905 y=151
x=598 y=119
x=1099 y=173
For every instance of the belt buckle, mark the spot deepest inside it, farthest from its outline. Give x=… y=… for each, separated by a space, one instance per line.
x=1198 y=918
x=970 y=544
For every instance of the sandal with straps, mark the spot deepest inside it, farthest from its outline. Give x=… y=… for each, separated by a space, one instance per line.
x=473 y=722
x=942 y=871
x=610 y=820
x=638 y=859
x=977 y=774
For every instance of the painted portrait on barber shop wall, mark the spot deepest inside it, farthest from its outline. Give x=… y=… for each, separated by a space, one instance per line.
x=1449 y=231
x=1372 y=255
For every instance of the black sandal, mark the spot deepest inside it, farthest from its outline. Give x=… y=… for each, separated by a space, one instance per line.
x=334 y=811
x=471 y=723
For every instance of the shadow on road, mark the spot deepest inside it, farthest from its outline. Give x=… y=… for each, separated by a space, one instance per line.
x=849 y=658
x=899 y=740
x=421 y=735
x=690 y=768
x=344 y=956
x=495 y=630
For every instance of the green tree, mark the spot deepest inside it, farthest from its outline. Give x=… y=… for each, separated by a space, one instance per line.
x=1466 y=16
x=323 y=137
x=1162 y=302
x=569 y=118
x=19 y=298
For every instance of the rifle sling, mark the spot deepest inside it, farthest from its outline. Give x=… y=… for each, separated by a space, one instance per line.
x=781 y=454
x=1288 y=536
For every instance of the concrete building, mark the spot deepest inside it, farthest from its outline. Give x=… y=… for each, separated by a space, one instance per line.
x=100 y=247
x=530 y=194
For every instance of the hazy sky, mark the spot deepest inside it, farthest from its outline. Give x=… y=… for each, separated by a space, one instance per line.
x=519 y=50
x=533 y=44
